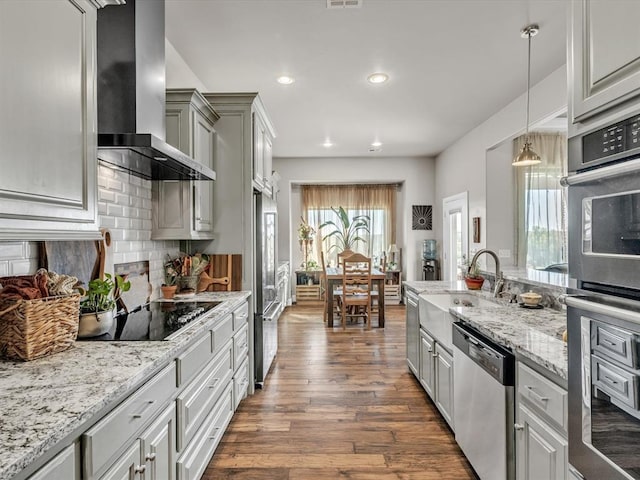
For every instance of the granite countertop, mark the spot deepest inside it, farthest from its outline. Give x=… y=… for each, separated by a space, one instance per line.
x=533 y=334
x=45 y=401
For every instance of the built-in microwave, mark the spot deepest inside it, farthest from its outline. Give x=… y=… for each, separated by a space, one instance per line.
x=604 y=208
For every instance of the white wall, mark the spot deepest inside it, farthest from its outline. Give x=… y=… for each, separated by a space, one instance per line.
x=178 y=72
x=415 y=174
x=461 y=167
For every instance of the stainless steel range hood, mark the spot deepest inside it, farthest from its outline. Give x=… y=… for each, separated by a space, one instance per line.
x=131 y=95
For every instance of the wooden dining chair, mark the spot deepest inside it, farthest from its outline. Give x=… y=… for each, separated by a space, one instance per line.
x=324 y=288
x=343 y=254
x=356 y=288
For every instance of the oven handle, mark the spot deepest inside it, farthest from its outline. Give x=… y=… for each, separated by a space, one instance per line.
x=600 y=173
x=620 y=313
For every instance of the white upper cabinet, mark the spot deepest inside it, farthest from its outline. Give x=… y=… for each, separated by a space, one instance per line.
x=262 y=150
x=604 y=56
x=183 y=210
x=48 y=119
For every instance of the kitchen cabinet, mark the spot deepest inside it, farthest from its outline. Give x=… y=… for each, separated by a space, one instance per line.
x=443 y=395
x=427 y=370
x=48 y=120
x=183 y=210
x=540 y=427
x=604 y=56
x=64 y=466
x=158 y=444
x=413 y=333
x=262 y=152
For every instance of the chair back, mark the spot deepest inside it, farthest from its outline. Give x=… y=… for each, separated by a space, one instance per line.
x=356 y=278
x=342 y=255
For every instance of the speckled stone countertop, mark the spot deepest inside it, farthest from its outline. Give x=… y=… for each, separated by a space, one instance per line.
x=45 y=401
x=534 y=334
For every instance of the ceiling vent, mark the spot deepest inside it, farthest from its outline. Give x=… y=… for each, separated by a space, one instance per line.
x=344 y=4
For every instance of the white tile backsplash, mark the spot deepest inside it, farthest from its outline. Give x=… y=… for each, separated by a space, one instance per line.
x=124 y=206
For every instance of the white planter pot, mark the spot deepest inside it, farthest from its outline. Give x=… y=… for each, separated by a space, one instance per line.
x=94 y=324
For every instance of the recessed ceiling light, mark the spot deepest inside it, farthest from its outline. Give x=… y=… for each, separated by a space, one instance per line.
x=286 y=80
x=376 y=144
x=327 y=144
x=378 y=77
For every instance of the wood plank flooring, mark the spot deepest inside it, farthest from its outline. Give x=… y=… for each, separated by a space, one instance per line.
x=339 y=405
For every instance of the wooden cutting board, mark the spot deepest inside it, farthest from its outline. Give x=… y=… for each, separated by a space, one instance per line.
x=225 y=265
x=80 y=258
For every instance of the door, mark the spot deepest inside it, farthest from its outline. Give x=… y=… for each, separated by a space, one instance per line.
x=204 y=141
x=455 y=227
x=159 y=447
x=444 y=383
x=427 y=371
x=540 y=451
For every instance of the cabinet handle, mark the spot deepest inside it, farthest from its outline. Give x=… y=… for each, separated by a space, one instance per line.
x=518 y=426
x=213 y=437
x=144 y=409
x=435 y=355
x=215 y=382
x=429 y=350
x=536 y=397
x=610 y=380
x=150 y=457
x=139 y=469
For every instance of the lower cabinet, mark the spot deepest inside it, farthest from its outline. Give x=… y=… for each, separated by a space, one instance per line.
x=64 y=466
x=436 y=374
x=541 y=427
x=444 y=383
x=158 y=445
x=541 y=451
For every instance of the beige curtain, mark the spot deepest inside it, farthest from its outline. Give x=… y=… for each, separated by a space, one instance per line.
x=541 y=202
x=376 y=201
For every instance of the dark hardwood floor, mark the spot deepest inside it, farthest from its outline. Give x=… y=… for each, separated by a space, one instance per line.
x=339 y=405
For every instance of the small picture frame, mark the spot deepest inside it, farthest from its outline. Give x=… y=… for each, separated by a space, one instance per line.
x=476 y=229
x=422 y=218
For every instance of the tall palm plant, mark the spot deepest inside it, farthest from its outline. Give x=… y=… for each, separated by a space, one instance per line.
x=347 y=232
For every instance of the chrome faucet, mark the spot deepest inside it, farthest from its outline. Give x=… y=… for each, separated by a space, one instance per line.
x=499 y=277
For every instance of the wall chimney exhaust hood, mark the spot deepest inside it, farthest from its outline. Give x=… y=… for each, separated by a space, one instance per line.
x=131 y=95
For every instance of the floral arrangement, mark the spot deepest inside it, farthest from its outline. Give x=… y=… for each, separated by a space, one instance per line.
x=305 y=232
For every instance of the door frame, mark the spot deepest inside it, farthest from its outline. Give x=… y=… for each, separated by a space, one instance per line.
x=454 y=204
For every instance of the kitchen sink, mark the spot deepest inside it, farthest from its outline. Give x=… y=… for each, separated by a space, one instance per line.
x=434 y=312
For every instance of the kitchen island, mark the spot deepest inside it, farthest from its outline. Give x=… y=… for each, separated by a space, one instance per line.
x=46 y=404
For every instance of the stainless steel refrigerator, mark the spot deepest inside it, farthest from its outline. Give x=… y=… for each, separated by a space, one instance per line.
x=268 y=307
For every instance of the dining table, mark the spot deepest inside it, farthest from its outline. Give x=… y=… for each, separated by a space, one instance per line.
x=334 y=279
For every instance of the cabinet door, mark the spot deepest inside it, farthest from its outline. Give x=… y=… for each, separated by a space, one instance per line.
x=427 y=369
x=64 y=466
x=258 y=152
x=605 y=57
x=444 y=383
x=540 y=451
x=48 y=119
x=204 y=141
x=128 y=467
x=267 y=160
x=413 y=334
x=159 y=446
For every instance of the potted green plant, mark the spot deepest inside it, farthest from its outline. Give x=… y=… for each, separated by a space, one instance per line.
x=96 y=308
x=347 y=232
x=472 y=277
x=170 y=285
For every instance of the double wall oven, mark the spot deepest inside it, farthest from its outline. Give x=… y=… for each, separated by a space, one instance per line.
x=603 y=312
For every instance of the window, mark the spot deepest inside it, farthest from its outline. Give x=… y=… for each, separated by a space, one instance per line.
x=542 y=203
x=378 y=202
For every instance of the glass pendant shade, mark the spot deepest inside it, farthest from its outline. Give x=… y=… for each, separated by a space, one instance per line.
x=526 y=156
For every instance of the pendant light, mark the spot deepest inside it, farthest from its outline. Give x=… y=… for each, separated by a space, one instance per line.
x=527 y=156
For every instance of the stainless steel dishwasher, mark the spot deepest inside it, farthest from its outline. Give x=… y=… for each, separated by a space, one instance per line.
x=483 y=412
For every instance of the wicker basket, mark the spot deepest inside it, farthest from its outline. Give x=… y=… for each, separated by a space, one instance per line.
x=31 y=329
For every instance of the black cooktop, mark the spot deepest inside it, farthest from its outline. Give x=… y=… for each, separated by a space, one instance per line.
x=154 y=321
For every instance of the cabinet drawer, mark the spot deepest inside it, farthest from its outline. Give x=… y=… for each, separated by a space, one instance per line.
x=240 y=383
x=103 y=440
x=615 y=381
x=191 y=361
x=63 y=466
x=240 y=316
x=542 y=394
x=195 y=458
x=615 y=343
x=221 y=333
x=240 y=346
x=196 y=401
